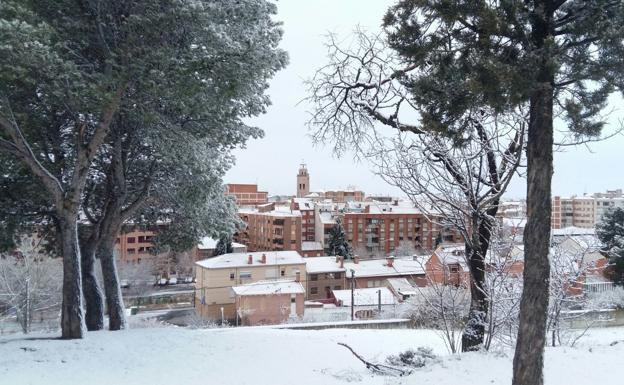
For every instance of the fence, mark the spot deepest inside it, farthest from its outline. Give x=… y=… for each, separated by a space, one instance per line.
x=598 y=287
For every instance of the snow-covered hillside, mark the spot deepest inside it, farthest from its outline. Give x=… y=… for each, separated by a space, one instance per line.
x=259 y=356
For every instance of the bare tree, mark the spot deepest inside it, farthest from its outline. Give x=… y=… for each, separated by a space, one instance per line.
x=30 y=283
x=456 y=180
x=442 y=308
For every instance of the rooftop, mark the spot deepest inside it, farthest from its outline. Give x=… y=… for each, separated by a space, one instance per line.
x=315 y=265
x=232 y=260
x=269 y=287
x=208 y=243
x=379 y=267
x=311 y=245
x=366 y=297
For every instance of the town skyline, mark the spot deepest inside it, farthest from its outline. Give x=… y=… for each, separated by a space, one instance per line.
x=272 y=161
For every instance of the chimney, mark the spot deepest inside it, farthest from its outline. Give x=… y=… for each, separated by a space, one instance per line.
x=263 y=260
x=356 y=259
x=250 y=260
x=390 y=261
x=297 y=276
x=341 y=262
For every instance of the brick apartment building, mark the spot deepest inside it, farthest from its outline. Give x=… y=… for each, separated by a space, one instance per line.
x=247 y=194
x=380 y=227
x=270 y=227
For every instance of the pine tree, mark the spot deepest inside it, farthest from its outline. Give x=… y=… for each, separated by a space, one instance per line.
x=224 y=245
x=460 y=60
x=610 y=231
x=338 y=244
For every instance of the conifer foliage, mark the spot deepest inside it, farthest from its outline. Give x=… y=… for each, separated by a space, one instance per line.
x=338 y=244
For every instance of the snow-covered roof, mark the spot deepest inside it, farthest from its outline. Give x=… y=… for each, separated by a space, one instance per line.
x=326 y=218
x=402 y=286
x=315 y=265
x=280 y=211
x=231 y=260
x=365 y=297
x=567 y=231
x=269 y=287
x=311 y=245
x=451 y=254
x=208 y=243
x=380 y=268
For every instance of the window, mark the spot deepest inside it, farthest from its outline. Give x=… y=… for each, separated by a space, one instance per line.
x=131 y=239
x=339 y=288
x=139 y=260
x=232 y=276
x=313 y=277
x=283 y=272
x=131 y=251
x=314 y=290
x=244 y=274
x=337 y=275
x=454 y=268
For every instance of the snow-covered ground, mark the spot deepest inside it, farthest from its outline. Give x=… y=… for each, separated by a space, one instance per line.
x=258 y=356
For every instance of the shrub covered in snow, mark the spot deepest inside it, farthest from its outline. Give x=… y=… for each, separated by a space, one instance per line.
x=421 y=357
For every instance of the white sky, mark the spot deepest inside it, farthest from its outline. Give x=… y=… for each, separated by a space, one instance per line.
x=272 y=162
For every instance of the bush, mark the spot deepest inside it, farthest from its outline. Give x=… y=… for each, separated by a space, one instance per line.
x=418 y=358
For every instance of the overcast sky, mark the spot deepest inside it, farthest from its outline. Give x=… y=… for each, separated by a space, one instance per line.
x=272 y=162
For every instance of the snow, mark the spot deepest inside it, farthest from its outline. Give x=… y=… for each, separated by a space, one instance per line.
x=311 y=246
x=366 y=297
x=380 y=268
x=267 y=356
x=231 y=260
x=269 y=287
x=208 y=243
x=316 y=265
x=402 y=286
x=568 y=231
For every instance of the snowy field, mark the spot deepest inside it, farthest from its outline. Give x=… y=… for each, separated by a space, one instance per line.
x=258 y=356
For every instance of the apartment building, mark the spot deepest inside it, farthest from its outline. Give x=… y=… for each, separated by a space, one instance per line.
x=306 y=207
x=270 y=227
x=217 y=276
x=378 y=228
x=247 y=194
x=342 y=196
x=324 y=274
x=584 y=211
x=135 y=246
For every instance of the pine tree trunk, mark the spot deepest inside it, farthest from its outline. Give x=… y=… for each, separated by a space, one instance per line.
x=94 y=303
x=114 y=299
x=72 y=313
x=529 y=355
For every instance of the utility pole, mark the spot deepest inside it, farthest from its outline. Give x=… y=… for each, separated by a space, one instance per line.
x=352 y=294
x=379 y=300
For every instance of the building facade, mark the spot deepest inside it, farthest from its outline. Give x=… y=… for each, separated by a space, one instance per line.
x=269 y=227
x=247 y=194
x=217 y=276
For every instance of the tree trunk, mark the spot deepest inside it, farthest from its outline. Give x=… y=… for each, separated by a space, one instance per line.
x=94 y=303
x=72 y=313
x=529 y=355
x=474 y=332
x=114 y=299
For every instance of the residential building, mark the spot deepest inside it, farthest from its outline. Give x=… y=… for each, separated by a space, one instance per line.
x=342 y=196
x=269 y=302
x=312 y=249
x=217 y=276
x=270 y=227
x=136 y=245
x=306 y=207
x=377 y=229
x=447 y=265
x=247 y=194
x=584 y=211
x=324 y=274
